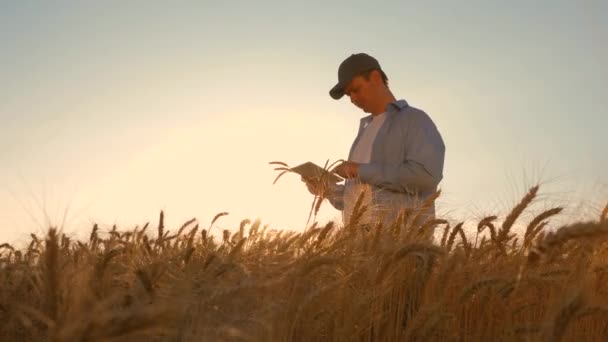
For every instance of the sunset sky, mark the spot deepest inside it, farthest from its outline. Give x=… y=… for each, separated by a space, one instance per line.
x=115 y=110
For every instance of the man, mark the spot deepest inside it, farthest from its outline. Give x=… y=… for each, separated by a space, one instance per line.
x=397 y=158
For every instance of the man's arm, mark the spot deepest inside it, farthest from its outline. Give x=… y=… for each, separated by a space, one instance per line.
x=423 y=168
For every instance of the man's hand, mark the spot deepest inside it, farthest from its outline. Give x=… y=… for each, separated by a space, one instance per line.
x=347 y=170
x=315 y=188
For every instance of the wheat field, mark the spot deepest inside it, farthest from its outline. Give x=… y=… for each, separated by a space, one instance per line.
x=330 y=283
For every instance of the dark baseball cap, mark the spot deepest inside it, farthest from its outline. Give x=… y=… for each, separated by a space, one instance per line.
x=351 y=67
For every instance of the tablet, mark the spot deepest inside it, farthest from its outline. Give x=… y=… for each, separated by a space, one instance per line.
x=313 y=171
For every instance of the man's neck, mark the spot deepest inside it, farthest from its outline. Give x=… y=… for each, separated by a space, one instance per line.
x=386 y=99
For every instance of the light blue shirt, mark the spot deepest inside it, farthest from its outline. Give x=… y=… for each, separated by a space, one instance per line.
x=406 y=164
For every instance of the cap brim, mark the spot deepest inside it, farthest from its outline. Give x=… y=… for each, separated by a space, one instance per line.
x=337 y=92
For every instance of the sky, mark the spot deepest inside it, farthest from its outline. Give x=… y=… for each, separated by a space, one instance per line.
x=113 y=111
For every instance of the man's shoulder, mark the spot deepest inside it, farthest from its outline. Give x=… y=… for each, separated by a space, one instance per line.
x=411 y=113
x=412 y=118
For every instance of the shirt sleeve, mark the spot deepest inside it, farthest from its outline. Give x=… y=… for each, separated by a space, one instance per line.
x=422 y=167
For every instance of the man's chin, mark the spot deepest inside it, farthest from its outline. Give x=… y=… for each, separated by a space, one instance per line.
x=364 y=110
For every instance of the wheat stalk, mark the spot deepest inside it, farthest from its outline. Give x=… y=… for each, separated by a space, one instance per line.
x=604 y=214
x=574 y=231
x=503 y=234
x=537 y=224
x=567 y=310
x=52 y=274
x=452 y=236
x=323 y=182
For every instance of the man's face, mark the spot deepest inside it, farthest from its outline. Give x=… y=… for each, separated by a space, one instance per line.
x=361 y=92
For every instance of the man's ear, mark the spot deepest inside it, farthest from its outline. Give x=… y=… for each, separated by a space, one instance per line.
x=376 y=77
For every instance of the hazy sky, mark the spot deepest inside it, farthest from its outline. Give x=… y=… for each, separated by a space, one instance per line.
x=115 y=110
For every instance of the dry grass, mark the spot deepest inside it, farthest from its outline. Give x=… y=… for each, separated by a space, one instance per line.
x=329 y=283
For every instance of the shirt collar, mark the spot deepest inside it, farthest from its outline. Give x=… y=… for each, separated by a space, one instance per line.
x=391 y=108
x=399 y=105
